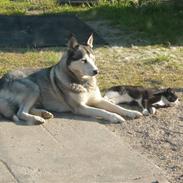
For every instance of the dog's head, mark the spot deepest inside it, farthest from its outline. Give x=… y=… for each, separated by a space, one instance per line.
x=81 y=59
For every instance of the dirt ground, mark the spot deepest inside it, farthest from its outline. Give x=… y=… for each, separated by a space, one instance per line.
x=159 y=137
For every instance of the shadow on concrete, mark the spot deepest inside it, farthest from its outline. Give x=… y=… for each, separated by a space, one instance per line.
x=71 y=116
x=42 y=31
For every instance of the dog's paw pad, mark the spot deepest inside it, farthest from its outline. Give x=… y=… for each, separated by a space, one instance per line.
x=47 y=115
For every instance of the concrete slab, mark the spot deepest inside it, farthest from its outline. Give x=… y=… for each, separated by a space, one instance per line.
x=73 y=150
x=5 y=175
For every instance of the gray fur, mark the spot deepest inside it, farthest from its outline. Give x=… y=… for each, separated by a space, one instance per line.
x=70 y=85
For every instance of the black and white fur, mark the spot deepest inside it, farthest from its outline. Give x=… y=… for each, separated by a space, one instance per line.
x=147 y=98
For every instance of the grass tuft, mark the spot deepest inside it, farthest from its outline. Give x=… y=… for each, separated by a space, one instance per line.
x=159 y=23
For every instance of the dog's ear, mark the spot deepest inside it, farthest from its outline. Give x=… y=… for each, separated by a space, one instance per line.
x=90 y=41
x=72 y=43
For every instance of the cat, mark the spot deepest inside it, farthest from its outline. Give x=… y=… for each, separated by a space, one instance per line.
x=147 y=98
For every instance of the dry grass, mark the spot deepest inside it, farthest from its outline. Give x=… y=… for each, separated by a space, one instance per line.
x=20 y=58
x=150 y=66
x=147 y=66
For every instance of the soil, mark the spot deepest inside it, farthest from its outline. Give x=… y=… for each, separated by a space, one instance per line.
x=159 y=137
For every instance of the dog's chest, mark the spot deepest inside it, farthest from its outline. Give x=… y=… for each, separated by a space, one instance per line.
x=88 y=97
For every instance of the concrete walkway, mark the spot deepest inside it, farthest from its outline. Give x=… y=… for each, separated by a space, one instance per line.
x=70 y=151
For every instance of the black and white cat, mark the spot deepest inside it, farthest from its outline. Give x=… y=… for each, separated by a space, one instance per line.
x=147 y=98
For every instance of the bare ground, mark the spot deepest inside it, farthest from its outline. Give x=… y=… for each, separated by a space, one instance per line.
x=159 y=137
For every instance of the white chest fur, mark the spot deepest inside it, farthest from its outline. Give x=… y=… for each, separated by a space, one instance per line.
x=89 y=97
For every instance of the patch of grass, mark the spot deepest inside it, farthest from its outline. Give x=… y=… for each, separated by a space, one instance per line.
x=28 y=58
x=128 y=66
x=159 y=23
x=117 y=65
x=158 y=59
x=25 y=7
x=151 y=66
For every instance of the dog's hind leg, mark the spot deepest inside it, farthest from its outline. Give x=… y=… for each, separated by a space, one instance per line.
x=6 y=108
x=42 y=113
x=25 y=107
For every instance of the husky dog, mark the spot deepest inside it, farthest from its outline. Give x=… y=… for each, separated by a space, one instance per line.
x=70 y=85
x=147 y=98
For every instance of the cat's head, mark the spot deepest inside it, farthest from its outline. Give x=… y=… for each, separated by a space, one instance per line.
x=168 y=96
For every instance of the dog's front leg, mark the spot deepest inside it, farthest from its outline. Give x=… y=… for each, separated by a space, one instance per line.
x=104 y=104
x=95 y=112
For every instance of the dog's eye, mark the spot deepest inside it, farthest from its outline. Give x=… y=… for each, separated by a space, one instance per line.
x=84 y=61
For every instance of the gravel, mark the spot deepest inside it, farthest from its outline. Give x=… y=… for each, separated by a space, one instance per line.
x=159 y=137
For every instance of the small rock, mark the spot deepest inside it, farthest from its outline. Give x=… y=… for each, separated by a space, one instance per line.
x=156 y=181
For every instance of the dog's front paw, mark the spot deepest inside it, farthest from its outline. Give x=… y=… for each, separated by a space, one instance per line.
x=77 y=88
x=134 y=114
x=47 y=115
x=115 y=118
x=38 y=121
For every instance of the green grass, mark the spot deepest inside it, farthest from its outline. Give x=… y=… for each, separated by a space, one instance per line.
x=155 y=22
x=160 y=24
x=152 y=66
x=26 y=7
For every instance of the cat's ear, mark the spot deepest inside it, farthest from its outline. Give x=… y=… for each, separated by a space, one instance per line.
x=169 y=90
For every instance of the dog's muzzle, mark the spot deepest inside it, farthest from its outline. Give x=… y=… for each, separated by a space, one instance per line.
x=95 y=72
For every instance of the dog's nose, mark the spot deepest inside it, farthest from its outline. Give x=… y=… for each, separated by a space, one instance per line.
x=95 y=72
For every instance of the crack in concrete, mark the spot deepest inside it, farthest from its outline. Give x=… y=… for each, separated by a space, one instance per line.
x=50 y=134
x=10 y=170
